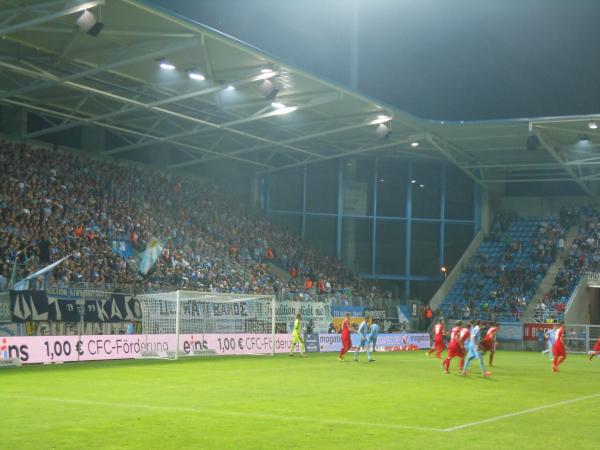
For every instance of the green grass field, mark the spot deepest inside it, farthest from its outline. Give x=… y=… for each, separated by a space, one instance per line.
x=401 y=401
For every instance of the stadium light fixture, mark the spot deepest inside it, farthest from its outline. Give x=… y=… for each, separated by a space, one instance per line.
x=414 y=144
x=382 y=130
x=413 y=181
x=88 y=23
x=196 y=75
x=166 y=65
x=277 y=105
x=381 y=180
x=593 y=126
x=421 y=186
x=268 y=89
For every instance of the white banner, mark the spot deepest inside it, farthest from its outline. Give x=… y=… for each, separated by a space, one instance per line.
x=333 y=342
x=49 y=349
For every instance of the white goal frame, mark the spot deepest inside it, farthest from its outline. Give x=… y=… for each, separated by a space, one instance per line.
x=179 y=297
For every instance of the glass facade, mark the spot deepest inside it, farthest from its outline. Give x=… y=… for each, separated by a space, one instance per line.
x=396 y=222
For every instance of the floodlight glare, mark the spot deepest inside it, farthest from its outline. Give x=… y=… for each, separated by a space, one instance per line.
x=196 y=76
x=380 y=119
x=413 y=181
x=230 y=88
x=414 y=144
x=593 y=126
x=277 y=105
x=166 y=65
x=285 y=110
x=421 y=185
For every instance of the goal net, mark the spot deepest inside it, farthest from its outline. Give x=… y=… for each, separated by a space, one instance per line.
x=187 y=323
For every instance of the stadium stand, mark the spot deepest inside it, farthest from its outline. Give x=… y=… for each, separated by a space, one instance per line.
x=54 y=203
x=582 y=256
x=501 y=278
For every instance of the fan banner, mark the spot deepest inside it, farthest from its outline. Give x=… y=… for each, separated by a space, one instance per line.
x=63 y=305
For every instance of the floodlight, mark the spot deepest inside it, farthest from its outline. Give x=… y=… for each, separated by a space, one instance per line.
x=414 y=144
x=196 y=75
x=88 y=23
x=593 y=126
x=166 y=65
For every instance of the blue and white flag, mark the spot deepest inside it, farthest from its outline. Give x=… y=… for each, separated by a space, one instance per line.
x=24 y=283
x=150 y=255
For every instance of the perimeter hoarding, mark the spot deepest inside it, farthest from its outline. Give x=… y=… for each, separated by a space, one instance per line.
x=57 y=349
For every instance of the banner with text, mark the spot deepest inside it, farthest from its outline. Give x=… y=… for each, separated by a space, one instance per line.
x=48 y=349
x=63 y=305
x=531 y=331
x=333 y=342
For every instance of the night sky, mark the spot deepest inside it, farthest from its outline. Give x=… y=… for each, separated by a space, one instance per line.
x=437 y=59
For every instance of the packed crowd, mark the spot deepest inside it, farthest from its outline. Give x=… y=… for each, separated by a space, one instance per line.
x=583 y=255
x=54 y=203
x=498 y=282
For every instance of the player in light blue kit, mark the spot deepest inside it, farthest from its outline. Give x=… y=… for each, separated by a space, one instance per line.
x=362 y=333
x=472 y=349
x=550 y=341
x=372 y=340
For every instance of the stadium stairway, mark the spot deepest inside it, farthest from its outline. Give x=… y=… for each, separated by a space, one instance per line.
x=444 y=289
x=548 y=280
x=279 y=272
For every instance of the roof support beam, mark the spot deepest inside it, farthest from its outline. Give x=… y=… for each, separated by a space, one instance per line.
x=119 y=61
x=77 y=5
x=341 y=155
x=136 y=105
x=118 y=129
x=225 y=126
x=569 y=169
x=287 y=141
x=433 y=141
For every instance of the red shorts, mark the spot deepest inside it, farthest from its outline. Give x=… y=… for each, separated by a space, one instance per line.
x=486 y=345
x=597 y=346
x=438 y=340
x=454 y=350
x=346 y=341
x=559 y=349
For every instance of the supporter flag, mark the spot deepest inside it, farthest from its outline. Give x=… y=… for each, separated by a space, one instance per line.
x=24 y=283
x=150 y=255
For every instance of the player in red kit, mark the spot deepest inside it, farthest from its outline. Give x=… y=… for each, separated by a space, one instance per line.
x=346 y=341
x=455 y=348
x=438 y=339
x=558 y=350
x=489 y=342
x=595 y=351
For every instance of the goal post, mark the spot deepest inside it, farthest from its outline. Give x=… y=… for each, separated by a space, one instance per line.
x=189 y=323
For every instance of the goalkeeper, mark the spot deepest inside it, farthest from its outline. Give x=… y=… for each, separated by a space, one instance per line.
x=297 y=336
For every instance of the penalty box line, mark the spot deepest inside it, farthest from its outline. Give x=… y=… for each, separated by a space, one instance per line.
x=250 y=415
x=519 y=413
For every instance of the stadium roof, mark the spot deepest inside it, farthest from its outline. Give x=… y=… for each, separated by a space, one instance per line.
x=114 y=81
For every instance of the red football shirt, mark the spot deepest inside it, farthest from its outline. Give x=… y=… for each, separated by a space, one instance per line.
x=454 y=334
x=438 y=330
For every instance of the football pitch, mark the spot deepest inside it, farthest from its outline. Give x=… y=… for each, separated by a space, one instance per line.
x=403 y=400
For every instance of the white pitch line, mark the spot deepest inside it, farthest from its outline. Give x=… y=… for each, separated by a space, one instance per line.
x=184 y=409
x=518 y=413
